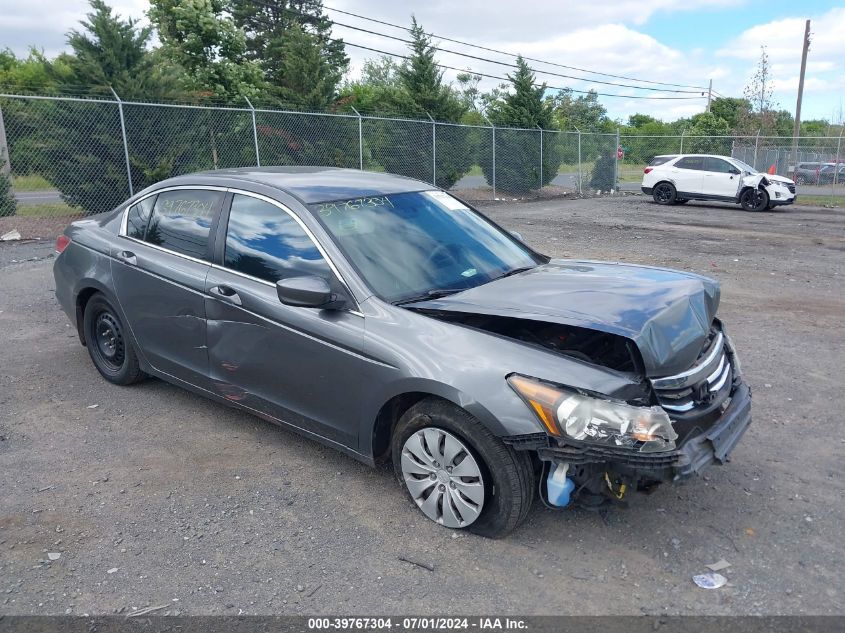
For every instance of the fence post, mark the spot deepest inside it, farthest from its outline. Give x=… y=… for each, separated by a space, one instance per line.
x=835 y=165
x=493 y=128
x=125 y=143
x=616 y=163
x=756 y=145
x=5 y=155
x=683 y=132
x=580 y=177
x=541 y=155
x=360 y=140
x=254 y=132
x=433 y=150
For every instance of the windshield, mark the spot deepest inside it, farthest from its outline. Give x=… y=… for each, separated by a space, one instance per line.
x=410 y=246
x=743 y=166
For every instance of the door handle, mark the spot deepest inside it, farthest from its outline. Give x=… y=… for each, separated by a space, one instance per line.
x=127 y=257
x=226 y=293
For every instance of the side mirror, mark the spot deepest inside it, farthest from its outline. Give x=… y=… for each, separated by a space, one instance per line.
x=517 y=236
x=306 y=292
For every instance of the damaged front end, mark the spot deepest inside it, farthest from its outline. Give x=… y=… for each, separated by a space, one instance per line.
x=596 y=449
x=690 y=421
x=779 y=191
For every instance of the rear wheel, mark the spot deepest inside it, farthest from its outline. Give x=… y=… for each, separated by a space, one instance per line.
x=458 y=473
x=664 y=193
x=754 y=199
x=110 y=349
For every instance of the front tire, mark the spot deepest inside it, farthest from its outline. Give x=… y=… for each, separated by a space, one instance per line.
x=664 y=193
x=754 y=199
x=458 y=473
x=108 y=345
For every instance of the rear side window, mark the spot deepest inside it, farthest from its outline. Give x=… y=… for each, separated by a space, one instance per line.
x=181 y=221
x=691 y=162
x=659 y=160
x=264 y=241
x=138 y=217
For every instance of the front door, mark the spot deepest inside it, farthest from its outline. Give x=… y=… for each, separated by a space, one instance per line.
x=719 y=178
x=159 y=274
x=299 y=365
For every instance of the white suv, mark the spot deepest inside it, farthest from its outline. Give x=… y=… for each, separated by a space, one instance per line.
x=678 y=178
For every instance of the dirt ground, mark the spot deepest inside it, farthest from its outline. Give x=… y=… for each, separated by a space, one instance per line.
x=155 y=497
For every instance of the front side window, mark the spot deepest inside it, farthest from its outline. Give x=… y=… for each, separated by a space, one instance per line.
x=691 y=162
x=264 y=241
x=138 y=217
x=718 y=165
x=181 y=221
x=412 y=245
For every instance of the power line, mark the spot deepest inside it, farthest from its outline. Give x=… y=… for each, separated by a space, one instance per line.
x=462 y=70
x=494 y=61
x=501 y=52
x=500 y=78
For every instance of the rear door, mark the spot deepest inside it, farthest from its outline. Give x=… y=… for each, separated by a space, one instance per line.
x=719 y=179
x=299 y=365
x=688 y=175
x=159 y=274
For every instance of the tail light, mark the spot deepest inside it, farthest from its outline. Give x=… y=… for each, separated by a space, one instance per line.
x=647 y=170
x=61 y=243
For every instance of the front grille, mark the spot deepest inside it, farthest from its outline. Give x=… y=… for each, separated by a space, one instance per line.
x=791 y=187
x=700 y=389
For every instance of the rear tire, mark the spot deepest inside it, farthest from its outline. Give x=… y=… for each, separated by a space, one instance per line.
x=664 y=193
x=754 y=199
x=108 y=344
x=507 y=476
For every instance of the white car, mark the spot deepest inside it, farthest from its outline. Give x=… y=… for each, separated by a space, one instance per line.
x=678 y=178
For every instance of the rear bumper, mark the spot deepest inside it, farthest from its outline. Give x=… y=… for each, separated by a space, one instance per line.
x=692 y=457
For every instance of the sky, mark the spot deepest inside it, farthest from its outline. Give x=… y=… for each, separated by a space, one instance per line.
x=673 y=41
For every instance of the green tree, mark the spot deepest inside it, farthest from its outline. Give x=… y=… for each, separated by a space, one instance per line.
x=202 y=38
x=758 y=92
x=583 y=112
x=709 y=134
x=518 y=151
x=731 y=109
x=291 y=41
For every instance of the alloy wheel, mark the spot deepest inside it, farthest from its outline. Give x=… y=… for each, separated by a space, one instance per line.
x=443 y=477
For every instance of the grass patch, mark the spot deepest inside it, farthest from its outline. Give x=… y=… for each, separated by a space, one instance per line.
x=821 y=201
x=47 y=209
x=475 y=170
x=31 y=182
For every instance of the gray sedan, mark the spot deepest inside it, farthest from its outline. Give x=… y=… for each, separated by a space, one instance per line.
x=390 y=320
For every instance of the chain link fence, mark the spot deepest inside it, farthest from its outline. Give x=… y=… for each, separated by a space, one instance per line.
x=65 y=157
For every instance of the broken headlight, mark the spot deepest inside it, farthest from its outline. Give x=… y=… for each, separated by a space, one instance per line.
x=570 y=413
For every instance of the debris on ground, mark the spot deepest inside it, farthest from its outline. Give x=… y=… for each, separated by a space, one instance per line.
x=417 y=563
x=719 y=565
x=11 y=236
x=112 y=570
x=710 y=580
x=54 y=555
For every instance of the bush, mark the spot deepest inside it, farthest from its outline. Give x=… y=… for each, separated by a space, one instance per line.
x=604 y=173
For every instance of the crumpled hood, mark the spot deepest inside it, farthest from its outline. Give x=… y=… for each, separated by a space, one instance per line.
x=666 y=313
x=752 y=180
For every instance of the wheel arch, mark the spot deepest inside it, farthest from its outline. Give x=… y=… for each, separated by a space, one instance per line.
x=393 y=408
x=86 y=289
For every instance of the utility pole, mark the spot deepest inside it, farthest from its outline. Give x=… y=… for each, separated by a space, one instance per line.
x=797 y=129
x=709 y=95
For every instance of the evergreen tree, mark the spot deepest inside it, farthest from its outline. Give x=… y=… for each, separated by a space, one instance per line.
x=292 y=42
x=202 y=38
x=518 y=151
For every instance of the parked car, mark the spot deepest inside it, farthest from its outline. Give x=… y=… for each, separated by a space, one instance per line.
x=807 y=173
x=386 y=318
x=679 y=178
x=829 y=172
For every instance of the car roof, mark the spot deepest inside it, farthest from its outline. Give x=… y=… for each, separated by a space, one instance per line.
x=310 y=184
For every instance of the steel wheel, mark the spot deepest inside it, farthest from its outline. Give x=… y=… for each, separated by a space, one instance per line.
x=443 y=477
x=109 y=338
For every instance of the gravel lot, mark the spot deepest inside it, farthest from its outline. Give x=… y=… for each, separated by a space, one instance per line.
x=153 y=496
